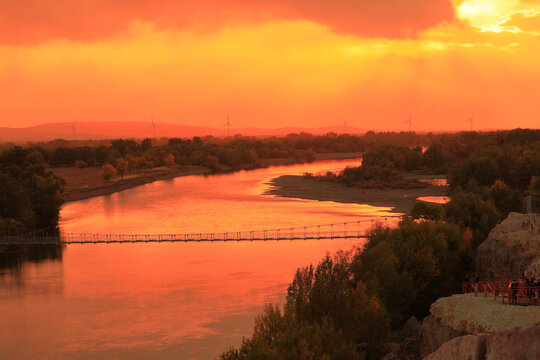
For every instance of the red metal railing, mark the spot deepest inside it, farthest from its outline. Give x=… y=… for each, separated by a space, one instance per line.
x=520 y=294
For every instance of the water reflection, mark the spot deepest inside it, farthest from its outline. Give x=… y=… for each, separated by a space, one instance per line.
x=20 y=270
x=14 y=256
x=167 y=300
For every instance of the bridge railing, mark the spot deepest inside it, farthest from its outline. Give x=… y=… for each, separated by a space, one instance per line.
x=344 y=230
x=521 y=294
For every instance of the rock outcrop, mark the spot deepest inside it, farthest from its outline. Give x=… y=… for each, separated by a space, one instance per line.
x=473 y=327
x=519 y=343
x=512 y=249
x=434 y=334
x=460 y=325
x=468 y=347
x=410 y=349
x=471 y=314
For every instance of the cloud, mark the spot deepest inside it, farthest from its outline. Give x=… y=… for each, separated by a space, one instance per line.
x=34 y=21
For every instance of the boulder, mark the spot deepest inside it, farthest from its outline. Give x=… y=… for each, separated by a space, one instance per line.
x=410 y=349
x=434 y=334
x=512 y=249
x=467 y=347
x=411 y=328
x=521 y=343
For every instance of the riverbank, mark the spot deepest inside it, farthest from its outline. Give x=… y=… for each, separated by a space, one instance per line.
x=86 y=183
x=401 y=200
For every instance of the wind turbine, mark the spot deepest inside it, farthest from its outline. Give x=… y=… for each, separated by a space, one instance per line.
x=345 y=123
x=228 y=125
x=470 y=120
x=153 y=127
x=409 y=122
x=72 y=127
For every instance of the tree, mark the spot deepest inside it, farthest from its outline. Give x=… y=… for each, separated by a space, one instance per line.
x=410 y=266
x=212 y=162
x=108 y=171
x=81 y=164
x=427 y=211
x=146 y=144
x=326 y=315
x=168 y=160
x=435 y=159
x=534 y=190
x=505 y=199
x=122 y=166
x=10 y=197
x=483 y=170
x=30 y=196
x=470 y=210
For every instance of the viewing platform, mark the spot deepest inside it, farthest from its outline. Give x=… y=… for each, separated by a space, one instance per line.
x=519 y=294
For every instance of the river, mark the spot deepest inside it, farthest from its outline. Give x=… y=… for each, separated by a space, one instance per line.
x=164 y=300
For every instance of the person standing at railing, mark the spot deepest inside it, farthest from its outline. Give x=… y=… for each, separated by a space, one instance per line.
x=513 y=290
x=535 y=291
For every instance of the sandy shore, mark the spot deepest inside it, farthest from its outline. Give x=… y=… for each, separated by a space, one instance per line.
x=88 y=182
x=402 y=200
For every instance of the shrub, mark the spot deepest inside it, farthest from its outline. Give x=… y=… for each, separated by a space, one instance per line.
x=108 y=171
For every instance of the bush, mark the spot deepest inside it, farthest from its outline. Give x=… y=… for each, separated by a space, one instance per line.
x=108 y=171
x=326 y=315
x=411 y=266
x=168 y=160
x=81 y=164
x=427 y=211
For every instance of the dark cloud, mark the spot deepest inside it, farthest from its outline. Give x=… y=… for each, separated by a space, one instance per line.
x=29 y=21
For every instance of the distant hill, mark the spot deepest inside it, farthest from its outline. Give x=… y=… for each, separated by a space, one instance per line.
x=86 y=130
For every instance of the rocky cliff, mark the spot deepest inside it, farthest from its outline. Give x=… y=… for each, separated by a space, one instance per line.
x=519 y=343
x=473 y=327
x=512 y=249
x=471 y=314
x=470 y=327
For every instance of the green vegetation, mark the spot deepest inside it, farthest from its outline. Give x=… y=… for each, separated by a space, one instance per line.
x=326 y=315
x=30 y=196
x=402 y=270
x=410 y=266
x=370 y=177
x=218 y=154
x=108 y=171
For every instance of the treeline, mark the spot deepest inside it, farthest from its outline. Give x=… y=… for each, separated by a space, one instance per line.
x=512 y=157
x=401 y=271
x=30 y=196
x=347 y=306
x=233 y=153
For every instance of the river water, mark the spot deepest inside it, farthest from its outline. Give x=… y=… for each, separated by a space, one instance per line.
x=164 y=300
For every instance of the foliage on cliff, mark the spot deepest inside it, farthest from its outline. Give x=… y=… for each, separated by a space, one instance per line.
x=410 y=266
x=326 y=316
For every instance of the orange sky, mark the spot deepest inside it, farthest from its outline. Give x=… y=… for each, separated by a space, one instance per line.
x=271 y=64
